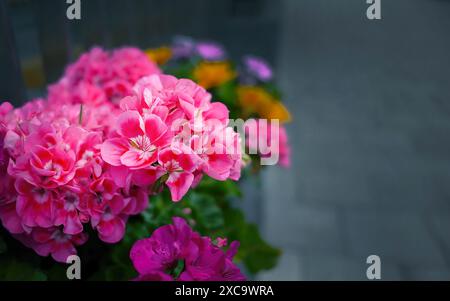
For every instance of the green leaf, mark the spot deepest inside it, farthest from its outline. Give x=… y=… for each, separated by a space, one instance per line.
x=256 y=254
x=206 y=211
x=259 y=255
x=226 y=93
x=219 y=189
x=13 y=270
x=3 y=247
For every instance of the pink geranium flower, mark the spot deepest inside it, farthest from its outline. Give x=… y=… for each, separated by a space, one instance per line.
x=34 y=204
x=67 y=207
x=52 y=241
x=170 y=126
x=179 y=163
x=99 y=77
x=109 y=134
x=138 y=142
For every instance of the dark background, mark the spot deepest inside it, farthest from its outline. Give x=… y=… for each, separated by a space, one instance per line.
x=371 y=108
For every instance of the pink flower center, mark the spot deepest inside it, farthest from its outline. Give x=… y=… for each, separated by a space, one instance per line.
x=172 y=166
x=40 y=195
x=60 y=237
x=49 y=165
x=71 y=201
x=143 y=144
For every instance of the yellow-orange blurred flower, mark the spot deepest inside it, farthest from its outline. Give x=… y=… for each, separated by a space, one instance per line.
x=254 y=100
x=213 y=74
x=257 y=100
x=159 y=55
x=278 y=111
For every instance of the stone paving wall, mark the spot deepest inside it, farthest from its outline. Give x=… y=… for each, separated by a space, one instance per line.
x=371 y=141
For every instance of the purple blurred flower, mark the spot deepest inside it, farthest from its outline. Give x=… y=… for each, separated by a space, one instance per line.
x=183 y=47
x=210 y=51
x=258 y=68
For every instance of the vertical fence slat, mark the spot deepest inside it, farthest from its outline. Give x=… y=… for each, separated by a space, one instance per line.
x=12 y=87
x=53 y=36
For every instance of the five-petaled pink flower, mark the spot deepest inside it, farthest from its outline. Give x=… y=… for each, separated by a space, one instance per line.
x=138 y=142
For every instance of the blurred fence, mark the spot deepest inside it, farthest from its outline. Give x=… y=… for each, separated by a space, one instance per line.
x=37 y=40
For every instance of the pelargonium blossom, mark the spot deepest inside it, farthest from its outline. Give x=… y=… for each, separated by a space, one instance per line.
x=67 y=167
x=176 y=252
x=170 y=127
x=98 y=77
x=54 y=182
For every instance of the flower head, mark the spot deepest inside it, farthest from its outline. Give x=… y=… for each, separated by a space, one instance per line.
x=175 y=252
x=213 y=74
x=170 y=127
x=98 y=77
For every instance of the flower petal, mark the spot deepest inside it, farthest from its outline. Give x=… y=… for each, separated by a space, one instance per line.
x=113 y=149
x=179 y=183
x=130 y=124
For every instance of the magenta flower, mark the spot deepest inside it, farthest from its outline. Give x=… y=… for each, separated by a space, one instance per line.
x=175 y=252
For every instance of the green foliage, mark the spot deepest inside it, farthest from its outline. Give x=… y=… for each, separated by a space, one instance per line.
x=3 y=247
x=11 y=269
x=254 y=252
x=181 y=70
x=226 y=93
x=206 y=212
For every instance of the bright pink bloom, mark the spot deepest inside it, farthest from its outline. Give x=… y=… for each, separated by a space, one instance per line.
x=52 y=241
x=210 y=263
x=156 y=258
x=99 y=76
x=79 y=159
x=34 y=204
x=138 y=142
x=165 y=114
x=67 y=208
x=179 y=162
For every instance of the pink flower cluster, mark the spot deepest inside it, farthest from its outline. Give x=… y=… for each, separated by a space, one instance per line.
x=53 y=180
x=175 y=252
x=170 y=128
x=76 y=160
x=99 y=76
